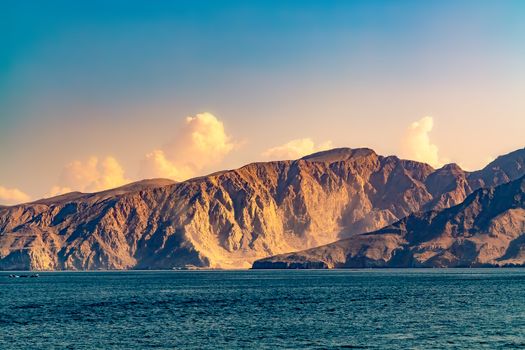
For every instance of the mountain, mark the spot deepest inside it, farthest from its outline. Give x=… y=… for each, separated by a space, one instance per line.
x=232 y=218
x=487 y=229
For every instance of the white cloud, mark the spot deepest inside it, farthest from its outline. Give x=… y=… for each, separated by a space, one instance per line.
x=199 y=145
x=416 y=144
x=295 y=149
x=12 y=196
x=90 y=175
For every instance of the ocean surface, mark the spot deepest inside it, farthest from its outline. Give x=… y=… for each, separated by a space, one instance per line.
x=261 y=309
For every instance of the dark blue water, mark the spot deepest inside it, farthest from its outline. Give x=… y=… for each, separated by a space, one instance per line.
x=376 y=309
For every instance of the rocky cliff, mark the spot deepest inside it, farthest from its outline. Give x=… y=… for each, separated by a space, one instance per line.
x=231 y=218
x=487 y=229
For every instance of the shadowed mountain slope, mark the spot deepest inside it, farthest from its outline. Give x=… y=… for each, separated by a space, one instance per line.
x=487 y=229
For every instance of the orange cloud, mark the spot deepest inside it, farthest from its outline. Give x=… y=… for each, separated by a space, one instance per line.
x=11 y=196
x=416 y=144
x=90 y=175
x=199 y=145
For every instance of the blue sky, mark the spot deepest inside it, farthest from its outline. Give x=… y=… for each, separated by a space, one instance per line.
x=99 y=78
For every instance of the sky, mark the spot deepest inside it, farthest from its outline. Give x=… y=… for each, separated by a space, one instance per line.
x=95 y=94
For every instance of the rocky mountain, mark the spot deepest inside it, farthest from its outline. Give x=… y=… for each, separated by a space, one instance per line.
x=487 y=229
x=231 y=218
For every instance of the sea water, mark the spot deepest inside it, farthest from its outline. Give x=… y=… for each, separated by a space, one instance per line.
x=264 y=309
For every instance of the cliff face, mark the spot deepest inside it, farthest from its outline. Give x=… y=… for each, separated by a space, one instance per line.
x=487 y=229
x=231 y=218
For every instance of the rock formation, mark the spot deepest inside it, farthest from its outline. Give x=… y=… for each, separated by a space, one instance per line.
x=487 y=229
x=231 y=218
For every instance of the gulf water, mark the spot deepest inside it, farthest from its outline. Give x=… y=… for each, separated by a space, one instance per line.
x=312 y=309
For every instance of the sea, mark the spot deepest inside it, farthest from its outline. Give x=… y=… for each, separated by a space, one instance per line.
x=265 y=309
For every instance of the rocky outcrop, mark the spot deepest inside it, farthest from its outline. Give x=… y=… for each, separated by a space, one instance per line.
x=487 y=229
x=231 y=218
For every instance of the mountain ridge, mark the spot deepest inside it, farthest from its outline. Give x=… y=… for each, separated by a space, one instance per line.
x=231 y=218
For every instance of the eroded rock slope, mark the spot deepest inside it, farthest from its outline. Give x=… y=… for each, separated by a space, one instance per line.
x=487 y=229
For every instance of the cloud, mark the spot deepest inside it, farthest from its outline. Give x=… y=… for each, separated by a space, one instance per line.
x=90 y=175
x=200 y=144
x=12 y=196
x=416 y=144
x=295 y=149
x=155 y=164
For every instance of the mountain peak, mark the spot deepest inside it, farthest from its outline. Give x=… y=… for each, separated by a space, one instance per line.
x=502 y=169
x=451 y=167
x=339 y=154
x=508 y=159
